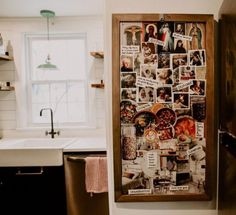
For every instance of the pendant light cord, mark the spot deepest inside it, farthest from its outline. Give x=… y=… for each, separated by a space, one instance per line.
x=48 y=26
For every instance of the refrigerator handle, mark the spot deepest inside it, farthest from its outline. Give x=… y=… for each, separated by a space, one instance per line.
x=228 y=141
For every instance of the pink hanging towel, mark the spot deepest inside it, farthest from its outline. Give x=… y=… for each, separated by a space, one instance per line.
x=96 y=174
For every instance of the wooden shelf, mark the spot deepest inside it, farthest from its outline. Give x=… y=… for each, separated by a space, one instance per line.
x=7 y=89
x=97 y=54
x=99 y=85
x=5 y=57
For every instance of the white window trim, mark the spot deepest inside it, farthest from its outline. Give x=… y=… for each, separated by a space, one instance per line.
x=26 y=123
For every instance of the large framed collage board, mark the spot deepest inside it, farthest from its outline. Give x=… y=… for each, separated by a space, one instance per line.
x=163 y=107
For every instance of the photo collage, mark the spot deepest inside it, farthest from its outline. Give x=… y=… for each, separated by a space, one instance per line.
x=163 y=107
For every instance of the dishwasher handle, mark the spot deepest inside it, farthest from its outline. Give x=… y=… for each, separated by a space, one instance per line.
x=20 y=173
x=76 y=159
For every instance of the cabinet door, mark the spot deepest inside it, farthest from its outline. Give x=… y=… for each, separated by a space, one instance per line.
x=31 y=191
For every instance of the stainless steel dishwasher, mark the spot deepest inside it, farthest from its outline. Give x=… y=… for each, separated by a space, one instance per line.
x=79 y=202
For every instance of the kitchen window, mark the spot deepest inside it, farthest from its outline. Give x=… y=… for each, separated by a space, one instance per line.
x=64 y=90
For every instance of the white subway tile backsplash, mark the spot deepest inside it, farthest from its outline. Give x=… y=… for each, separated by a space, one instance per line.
x=7 y=95
x=7 y=75
x=8 y=124
x=7 y=66
x=7 y=105
x=7 y=115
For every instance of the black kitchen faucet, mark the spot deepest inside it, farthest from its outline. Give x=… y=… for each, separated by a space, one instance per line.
x=52 y=132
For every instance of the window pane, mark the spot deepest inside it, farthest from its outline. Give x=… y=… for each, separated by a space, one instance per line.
x=40 y=93
x=68 y=55
x=58 y=92
x=36 y=118
x=63 y=90
x=76 y=92
x=76 y=112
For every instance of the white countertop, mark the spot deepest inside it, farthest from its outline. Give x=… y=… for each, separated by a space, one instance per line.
x=86 y=144
x=45 y=151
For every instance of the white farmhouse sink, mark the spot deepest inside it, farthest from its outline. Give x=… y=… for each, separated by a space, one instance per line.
x=33 y=151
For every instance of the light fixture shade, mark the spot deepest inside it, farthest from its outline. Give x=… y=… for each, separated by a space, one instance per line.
x=47 y=65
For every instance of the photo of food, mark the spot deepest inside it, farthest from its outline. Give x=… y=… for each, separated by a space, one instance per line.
x=127 y=111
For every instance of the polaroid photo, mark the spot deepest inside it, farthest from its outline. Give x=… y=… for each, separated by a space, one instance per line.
x=198 y=107
x=148 y=49
x=149 y=31
x=164 y=94
x=177 y=60
x=128 y=80
x=197 y=57
x=137 y=61
x=183 y=166
x=198 y=88
x=126 y=63
x=181 y=101
x=129 y=93
x=179 y=28
x=145 y=94
x=168 y=163
x=130 y=33
x=165 y=35
x=197 y=31
x=176 y=76
x=164 y=76
x=164 y=60
x=187 y=73
x=180 y=46
x=200 y=72
x=148 y=71
x=149 y=53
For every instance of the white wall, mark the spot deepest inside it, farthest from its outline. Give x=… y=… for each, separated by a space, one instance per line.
x=12 y=103
x=161 y=7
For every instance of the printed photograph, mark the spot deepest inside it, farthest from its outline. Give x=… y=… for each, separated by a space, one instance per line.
x=178 y=60
x=176 y=76
x=164 y=94
x=197 y=58
x=128 y=94
x=198 y=107
x=149 y=31
x=128 y=80
x=179 y=28
x=197 y=31
x=145 y=94
x=200 y=72
x=148 y=71
x=186 y=73
x=137 y=61
x=198 y=87
x=180 y=46
x=165 y=31
x=127 y=111
x=130 y=33
x=165 y=76
x=148 y=52
x=126 y=63
x=181 y=100
x=164 y=60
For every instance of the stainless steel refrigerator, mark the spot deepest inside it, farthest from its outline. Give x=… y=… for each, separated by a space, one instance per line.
x=227 y=111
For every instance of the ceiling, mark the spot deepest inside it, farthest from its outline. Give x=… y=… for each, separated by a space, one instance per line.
x=31 y=8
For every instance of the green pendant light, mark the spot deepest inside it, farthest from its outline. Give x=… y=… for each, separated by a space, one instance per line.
x=47 y=65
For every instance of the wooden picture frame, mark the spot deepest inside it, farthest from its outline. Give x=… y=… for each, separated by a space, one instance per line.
x=153 y=173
